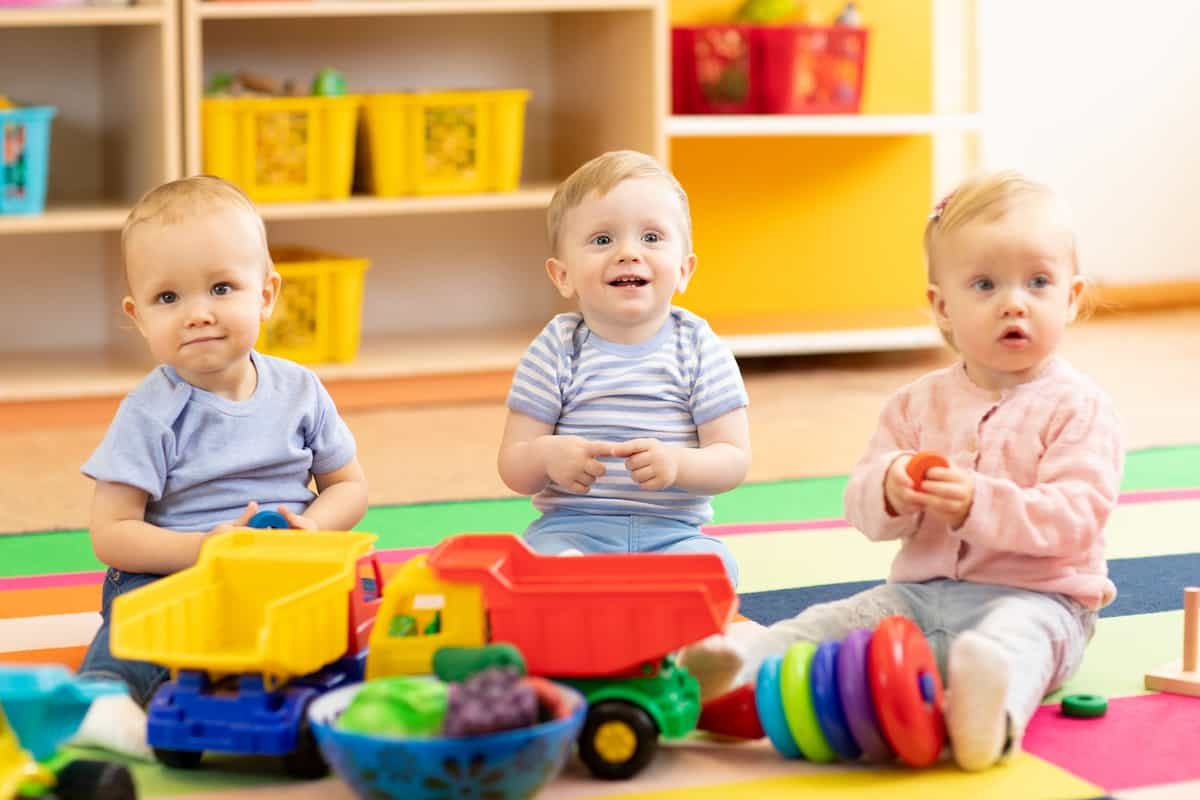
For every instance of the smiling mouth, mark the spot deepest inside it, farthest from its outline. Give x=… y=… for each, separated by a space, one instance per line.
x=628 y=280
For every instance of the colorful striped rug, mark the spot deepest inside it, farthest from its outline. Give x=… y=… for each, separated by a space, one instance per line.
x=794 y=549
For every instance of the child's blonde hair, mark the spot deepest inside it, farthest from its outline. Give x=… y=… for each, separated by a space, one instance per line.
x=986 y=196
x=178 y=200
x=600 y=175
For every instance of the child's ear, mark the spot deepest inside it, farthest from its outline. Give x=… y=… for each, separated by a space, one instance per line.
x=1078 y=284
x=937 y=302
x=686 y=271
x=557 y=271
x=270 y=294
x=130 y=309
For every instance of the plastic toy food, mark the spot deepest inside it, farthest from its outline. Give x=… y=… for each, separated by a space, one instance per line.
x=921 y=463
x=399 y=706
x=491 y=700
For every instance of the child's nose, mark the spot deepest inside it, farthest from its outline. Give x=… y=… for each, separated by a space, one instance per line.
x=199 y=313
x=1015 y=304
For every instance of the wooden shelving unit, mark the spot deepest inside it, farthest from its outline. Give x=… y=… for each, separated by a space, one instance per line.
x=456 y=286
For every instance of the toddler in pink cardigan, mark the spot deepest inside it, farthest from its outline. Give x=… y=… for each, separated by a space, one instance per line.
x=1001 y=560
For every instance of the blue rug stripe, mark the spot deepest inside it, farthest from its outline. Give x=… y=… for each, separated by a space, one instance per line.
x=1144 y=586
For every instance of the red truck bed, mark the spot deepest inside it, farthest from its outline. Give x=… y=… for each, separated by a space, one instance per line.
x=592 y=615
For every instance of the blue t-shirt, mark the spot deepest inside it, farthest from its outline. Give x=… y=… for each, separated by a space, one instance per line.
x=202 y=458
x=663 y=388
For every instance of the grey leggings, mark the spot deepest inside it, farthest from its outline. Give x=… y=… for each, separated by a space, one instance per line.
x=1043 y=634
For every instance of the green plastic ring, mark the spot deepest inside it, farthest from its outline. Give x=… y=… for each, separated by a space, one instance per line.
x=1084 y=706
x=795 y=684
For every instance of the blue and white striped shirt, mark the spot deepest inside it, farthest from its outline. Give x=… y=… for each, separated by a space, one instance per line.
x=662 y=388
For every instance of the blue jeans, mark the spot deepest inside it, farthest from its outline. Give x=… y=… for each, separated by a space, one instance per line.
x=143 y=679
x=556 y=531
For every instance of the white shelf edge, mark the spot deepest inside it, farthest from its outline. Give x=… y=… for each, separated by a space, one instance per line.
x=80 y=17
x=65 y=219
x=536 y=196
x=698 y=125
x=819 y=342
x=388 y=8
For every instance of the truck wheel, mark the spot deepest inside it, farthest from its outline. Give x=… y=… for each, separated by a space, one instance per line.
x=305 y=761
x=618 y=740
x=179 y=759
x=94 y=780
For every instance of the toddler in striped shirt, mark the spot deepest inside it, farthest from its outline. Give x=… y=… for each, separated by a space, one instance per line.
x=1001 y=558
x=627 y=415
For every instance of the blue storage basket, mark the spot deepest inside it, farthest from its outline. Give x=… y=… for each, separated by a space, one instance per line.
x=24 y=158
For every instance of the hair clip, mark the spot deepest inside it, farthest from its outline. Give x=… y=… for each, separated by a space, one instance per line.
x=936 y=214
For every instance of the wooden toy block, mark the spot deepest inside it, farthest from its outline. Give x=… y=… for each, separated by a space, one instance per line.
x=1180 y=676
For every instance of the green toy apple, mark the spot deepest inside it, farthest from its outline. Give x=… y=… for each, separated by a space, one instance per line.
x=328 y=82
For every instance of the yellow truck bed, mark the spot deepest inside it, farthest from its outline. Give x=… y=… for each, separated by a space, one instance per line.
x=263 y=601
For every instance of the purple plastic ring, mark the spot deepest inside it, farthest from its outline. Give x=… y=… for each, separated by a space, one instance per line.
x=855 y=692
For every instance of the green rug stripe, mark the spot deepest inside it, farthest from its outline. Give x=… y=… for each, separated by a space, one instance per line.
x=423 y=524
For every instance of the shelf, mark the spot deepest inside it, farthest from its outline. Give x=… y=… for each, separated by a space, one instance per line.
x=66 y=219
x=86 y=16
x=535 y=196
x=389 y=8
x=814 y=333
x=699 y=125
x=28 y=376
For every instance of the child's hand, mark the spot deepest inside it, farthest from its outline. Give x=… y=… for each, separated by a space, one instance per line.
x=651 y=464
x=947 y=492
x=297 y=521
x=899 y=493
x=571 y=461
x=240 y=522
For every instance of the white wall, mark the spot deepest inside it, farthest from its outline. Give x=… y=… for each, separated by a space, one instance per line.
x=1102 y=100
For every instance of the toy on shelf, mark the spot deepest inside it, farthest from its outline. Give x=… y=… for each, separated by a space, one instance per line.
x=24 y=157
x=277 y=144
x=456 y=142
x=872 y=696
x=44 y=708
x=604 y=624
x=318 y=314
x=1181 y=675
x=767 y=68
x=265 y=622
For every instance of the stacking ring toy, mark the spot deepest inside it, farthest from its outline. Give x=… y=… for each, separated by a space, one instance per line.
x=828 y=702
x=855 y=692
x=768 y=700
x=798 y=708
x=898 y=659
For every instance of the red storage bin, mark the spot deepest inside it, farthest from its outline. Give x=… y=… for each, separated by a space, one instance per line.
x=759 y=69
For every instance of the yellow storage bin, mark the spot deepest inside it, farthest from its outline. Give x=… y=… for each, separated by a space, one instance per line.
x=318 y=317
x=445 y=142
x=282 y=149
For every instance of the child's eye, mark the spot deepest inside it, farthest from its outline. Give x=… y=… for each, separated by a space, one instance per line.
x=220 y=289
x=651 y=237
x=1039 y=281
x=602 y=239
x=166 y=298
x=983 y=284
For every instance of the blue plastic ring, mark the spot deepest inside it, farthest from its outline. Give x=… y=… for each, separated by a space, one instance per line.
x=769 y=702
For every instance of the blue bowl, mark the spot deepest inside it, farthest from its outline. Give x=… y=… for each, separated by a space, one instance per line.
x=509 y=765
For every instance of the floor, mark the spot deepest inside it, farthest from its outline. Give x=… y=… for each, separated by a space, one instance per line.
x=809 y=416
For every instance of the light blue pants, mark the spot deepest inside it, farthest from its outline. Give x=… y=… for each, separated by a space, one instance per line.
x=1044 y=635
x=557 y=531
